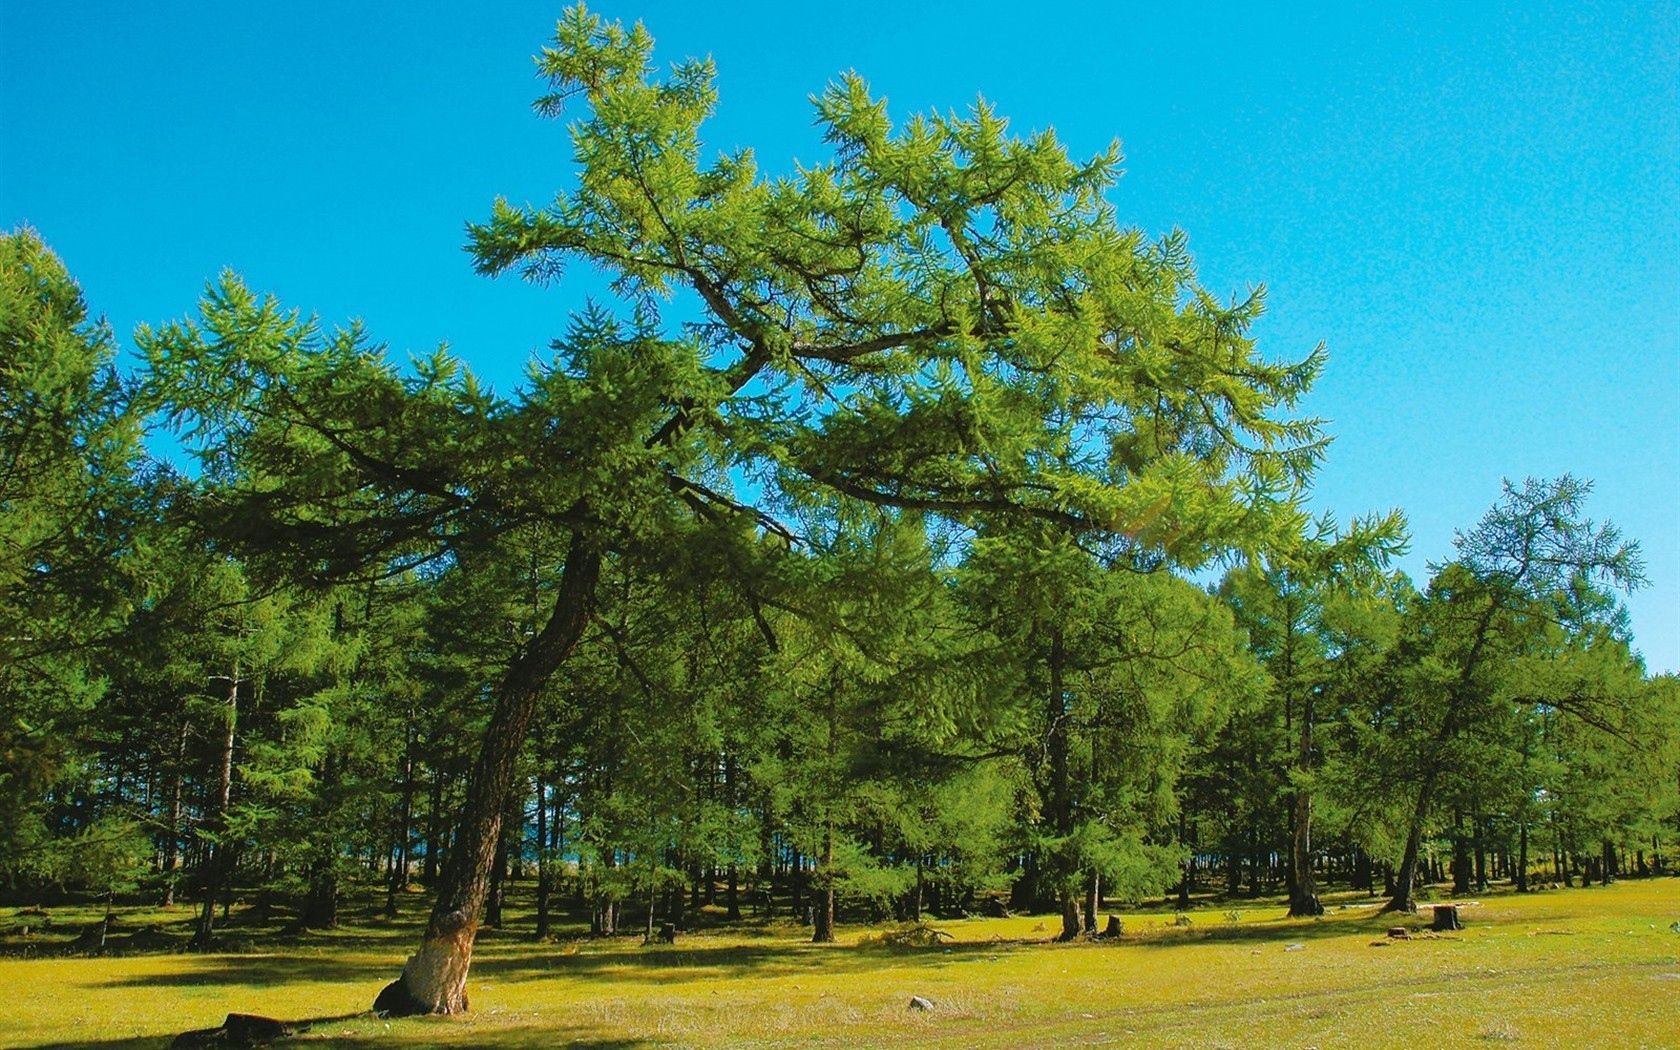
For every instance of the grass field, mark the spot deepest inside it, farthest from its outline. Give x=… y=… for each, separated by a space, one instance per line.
x=1597 y=967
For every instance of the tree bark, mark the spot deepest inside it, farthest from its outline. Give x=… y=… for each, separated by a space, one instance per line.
x=545 y=863
x=1303 y=896
x=1093 y=903
x=434 y=980
x=1061 y=801
x=1405 y=879
x=824 y=918
x=1461 y=856
x=172 y=841
x=215 y=822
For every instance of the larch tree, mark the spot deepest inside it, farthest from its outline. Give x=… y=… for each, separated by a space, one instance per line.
x=1522 y=569
x=1281 y=599
x=68 y=503
x=942 y=318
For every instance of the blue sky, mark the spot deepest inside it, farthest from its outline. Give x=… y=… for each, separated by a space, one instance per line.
x=1476 y=206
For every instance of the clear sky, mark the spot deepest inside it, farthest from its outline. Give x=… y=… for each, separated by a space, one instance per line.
x=1477 y=206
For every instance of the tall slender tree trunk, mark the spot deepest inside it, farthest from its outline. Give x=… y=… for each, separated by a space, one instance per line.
x=1061 y=801
x=1461 y=855
x=732 y=895
x=434 y=980
x=1303 y=896
x=405 y=825
x=823 y=921
x=1522 y=857
x=436 y=837
x=218 y=849
x=545 y=862
x=172 y=841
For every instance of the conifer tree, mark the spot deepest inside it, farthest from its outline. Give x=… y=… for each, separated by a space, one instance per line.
x=942 y=318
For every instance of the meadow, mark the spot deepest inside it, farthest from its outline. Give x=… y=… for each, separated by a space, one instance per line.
x=1559 y=966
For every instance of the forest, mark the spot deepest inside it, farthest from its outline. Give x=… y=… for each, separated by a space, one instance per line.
x=905 y=538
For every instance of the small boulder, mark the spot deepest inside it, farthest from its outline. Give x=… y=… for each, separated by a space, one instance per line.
x=919 y=1003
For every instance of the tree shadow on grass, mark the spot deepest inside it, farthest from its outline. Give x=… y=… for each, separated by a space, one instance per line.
x=728 y=961
x=351 y=1030
x=260 y=971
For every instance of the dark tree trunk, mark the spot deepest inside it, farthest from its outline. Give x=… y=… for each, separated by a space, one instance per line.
x=1303 y=897
x=1061 y=792
x=172 y=840
x=434 y=825
x=217 y=850
x=1522 y=857
x=320 y=906
x=405 y=825
x=545 y=863
x=823 y=921
x=1404 y=897
x=732 y=895
x=434 y=980
x=1461 y=856
x=512 y=828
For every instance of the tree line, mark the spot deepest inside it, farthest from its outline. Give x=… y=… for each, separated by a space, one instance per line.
x=906 y=535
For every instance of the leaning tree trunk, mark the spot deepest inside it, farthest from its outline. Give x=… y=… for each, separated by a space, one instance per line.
x=1405 y=879
x=434 y=980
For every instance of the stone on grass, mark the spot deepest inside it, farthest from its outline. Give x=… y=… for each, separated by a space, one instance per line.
x=919 y=1003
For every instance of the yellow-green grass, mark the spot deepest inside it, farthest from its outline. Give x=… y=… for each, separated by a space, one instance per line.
x=1598 y=966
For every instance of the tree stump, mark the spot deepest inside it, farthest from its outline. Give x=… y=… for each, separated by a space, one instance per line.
x=1114 y=929
x=668 y=932
x=1446 y=918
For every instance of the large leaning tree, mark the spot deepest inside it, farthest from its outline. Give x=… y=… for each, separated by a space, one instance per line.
x=941 y=318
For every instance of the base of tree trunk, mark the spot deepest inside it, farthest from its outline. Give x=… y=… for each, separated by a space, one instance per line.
x=1303 y=907
x=433 y=981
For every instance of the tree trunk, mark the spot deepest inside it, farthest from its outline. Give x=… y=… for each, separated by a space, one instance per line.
x=434 y=980
x=172 y=841
x=824 y=918
x=732 y=896
x=1061 y=800
x=1303 y=897
x=434 y=825
x=545 y=863
x=405 y=821
x=1070 y=914
x=1461 y=856
x=215 y=821
x=320 y=909
x=1522 y=857
x=1405 y=879
x=1093 y=903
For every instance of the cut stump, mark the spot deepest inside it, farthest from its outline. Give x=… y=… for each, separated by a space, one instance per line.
x=1446 y=918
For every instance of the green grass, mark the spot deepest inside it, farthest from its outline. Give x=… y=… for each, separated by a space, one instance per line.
x=1598 y=966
